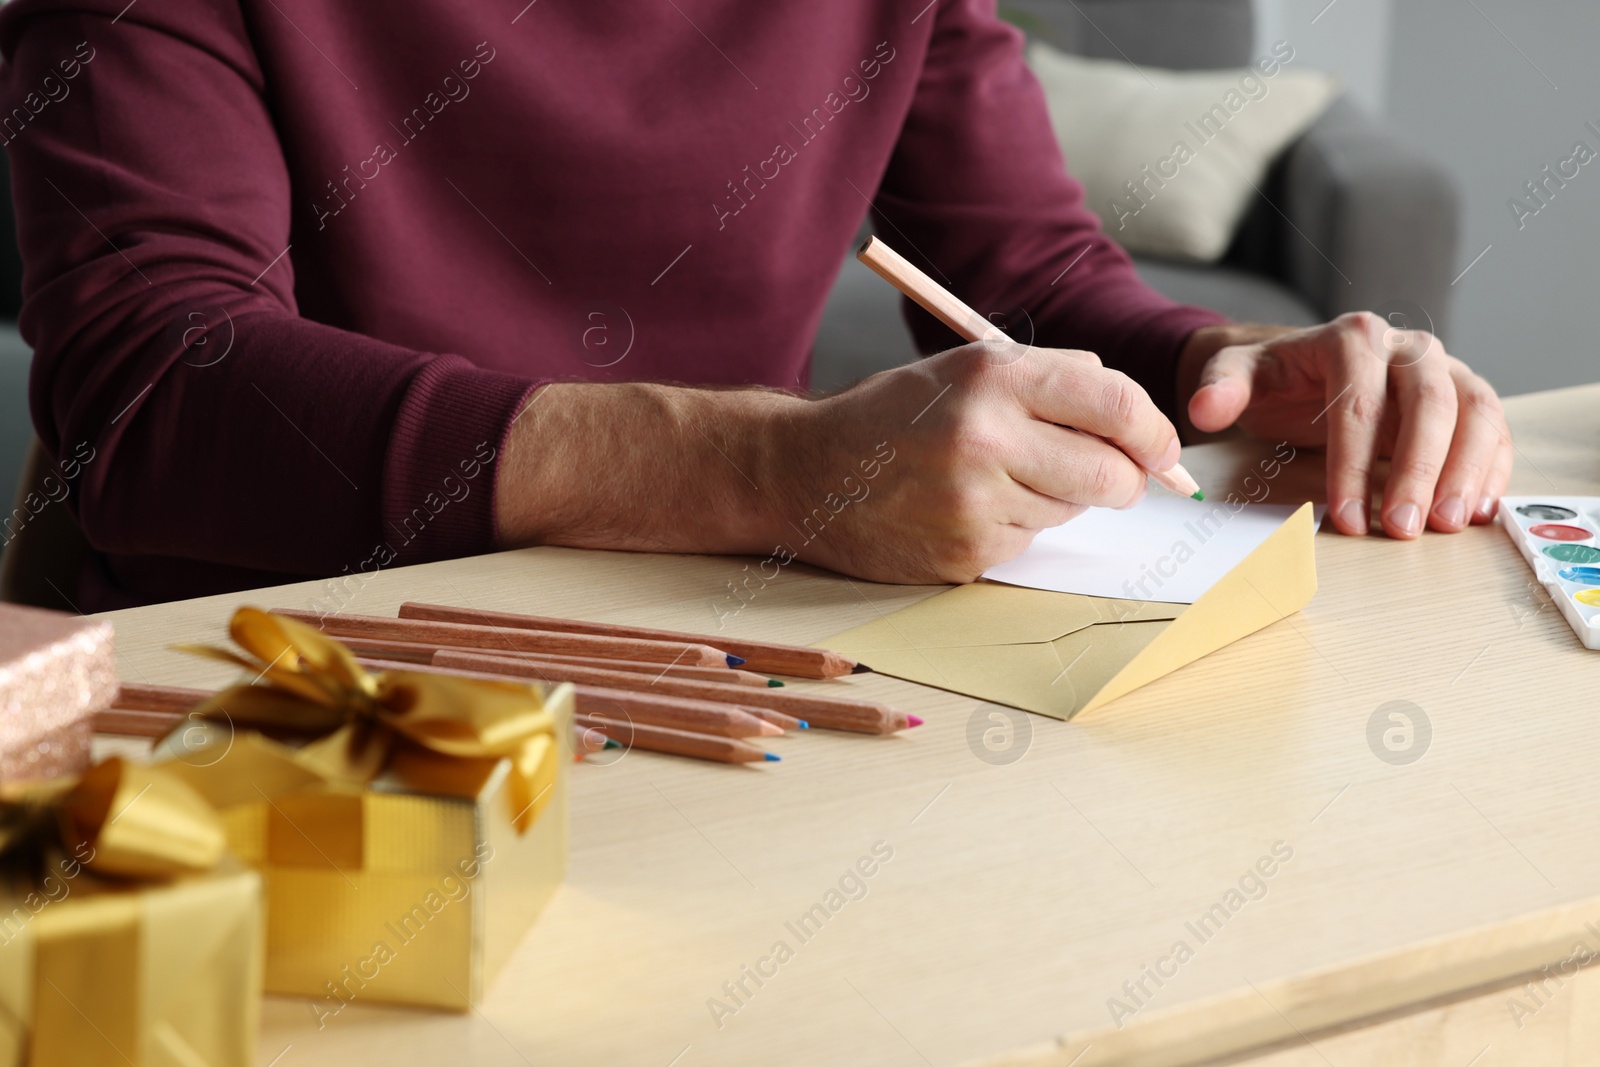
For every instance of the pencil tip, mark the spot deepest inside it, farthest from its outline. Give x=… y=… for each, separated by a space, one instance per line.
x=1199 y=494
x=611 y=744
x=735 y=661
x=861 y=668
x=773 y=683
x=803 y=724
x=773 y=757
x=914 y=720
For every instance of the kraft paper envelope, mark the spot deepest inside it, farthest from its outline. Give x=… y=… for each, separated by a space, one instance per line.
x=1061 y=654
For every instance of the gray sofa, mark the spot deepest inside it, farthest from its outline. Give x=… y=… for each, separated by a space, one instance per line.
x=1350 y=191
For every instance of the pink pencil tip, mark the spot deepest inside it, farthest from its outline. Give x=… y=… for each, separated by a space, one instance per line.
x=913 y=720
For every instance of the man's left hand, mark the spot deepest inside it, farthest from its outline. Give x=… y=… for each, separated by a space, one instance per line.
x=1364 y=391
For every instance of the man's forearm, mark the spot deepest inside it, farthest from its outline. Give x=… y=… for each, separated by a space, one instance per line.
x=647 y=467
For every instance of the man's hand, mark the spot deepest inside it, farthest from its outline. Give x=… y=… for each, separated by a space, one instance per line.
x=982 y=462
x=1365 y=391
x=930 y=472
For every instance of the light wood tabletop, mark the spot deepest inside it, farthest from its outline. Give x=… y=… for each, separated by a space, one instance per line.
x=1372 y=910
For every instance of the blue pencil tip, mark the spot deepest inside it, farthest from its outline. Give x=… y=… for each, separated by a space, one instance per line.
x=735 y=661
x=773 y=757
x=804 y=725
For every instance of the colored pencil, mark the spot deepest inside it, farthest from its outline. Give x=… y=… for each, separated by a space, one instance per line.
x=134 y=696
x=768 y=657
x=135 y=723
x=861 y=716
x=779 y=719
x=679 y=742
x=660 y=709
x=127 y=722
x=420 y=652
x=515 y=639
x=622 y=717
x=945 y=306
x=587 y=739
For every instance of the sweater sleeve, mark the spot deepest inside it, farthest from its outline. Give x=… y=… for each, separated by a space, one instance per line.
x=153 y=206
x=978 y=193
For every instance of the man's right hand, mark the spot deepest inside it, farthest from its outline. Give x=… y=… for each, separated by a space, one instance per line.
x=982 y=460
x=968 y=452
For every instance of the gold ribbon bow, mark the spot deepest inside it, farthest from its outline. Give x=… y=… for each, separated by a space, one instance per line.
x=119 y=819
x=415 y=725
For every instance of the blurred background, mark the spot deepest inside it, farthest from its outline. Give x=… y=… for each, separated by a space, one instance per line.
x=1495 y=90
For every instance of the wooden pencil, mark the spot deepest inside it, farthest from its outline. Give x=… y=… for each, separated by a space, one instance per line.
x=660 y=709
x=135 y=696
x=125 y=722
x=419 y=652
x=861 y=716
x=949 y=309
x=779 y=719
x=587 y=739
x=515 y=639
x=768 y=657
x=590 y=732
x=128 y=722
x=679 y=742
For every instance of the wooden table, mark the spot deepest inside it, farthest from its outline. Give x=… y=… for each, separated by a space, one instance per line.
x=1020 y=897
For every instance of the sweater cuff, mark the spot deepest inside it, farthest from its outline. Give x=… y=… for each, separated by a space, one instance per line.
x=439 y=471
x=1162 y=337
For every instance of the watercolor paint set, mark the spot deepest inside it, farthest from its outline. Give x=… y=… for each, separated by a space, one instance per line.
x=1560 y=538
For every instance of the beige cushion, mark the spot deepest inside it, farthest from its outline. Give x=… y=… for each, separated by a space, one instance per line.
x=1194 y=145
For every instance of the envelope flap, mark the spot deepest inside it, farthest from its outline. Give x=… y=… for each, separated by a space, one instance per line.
x=988 y=613
x=1276 y=580
x=1049 y=677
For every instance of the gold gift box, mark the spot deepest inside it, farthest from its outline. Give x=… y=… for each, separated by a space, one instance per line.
x=153 y=974
x=383 y=894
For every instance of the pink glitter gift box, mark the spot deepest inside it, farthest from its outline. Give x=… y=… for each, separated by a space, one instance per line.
x=56 y=671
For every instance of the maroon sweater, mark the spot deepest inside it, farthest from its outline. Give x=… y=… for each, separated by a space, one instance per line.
x=292 y=266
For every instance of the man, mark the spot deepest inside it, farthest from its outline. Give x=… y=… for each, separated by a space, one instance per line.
x=319 y=285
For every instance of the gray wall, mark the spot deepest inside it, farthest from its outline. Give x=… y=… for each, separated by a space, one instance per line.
x=1497 y=89
x=1349 y=36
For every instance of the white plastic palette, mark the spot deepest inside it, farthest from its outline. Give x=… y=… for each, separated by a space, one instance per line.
x=1560 y=538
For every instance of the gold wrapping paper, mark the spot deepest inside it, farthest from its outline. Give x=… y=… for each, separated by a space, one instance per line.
x=139 y=943
x=379 y=894
x=410 y=844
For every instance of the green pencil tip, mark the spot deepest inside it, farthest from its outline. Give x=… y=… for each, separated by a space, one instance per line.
x=610 y=744
x=1199 y=494
x=773 y=683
